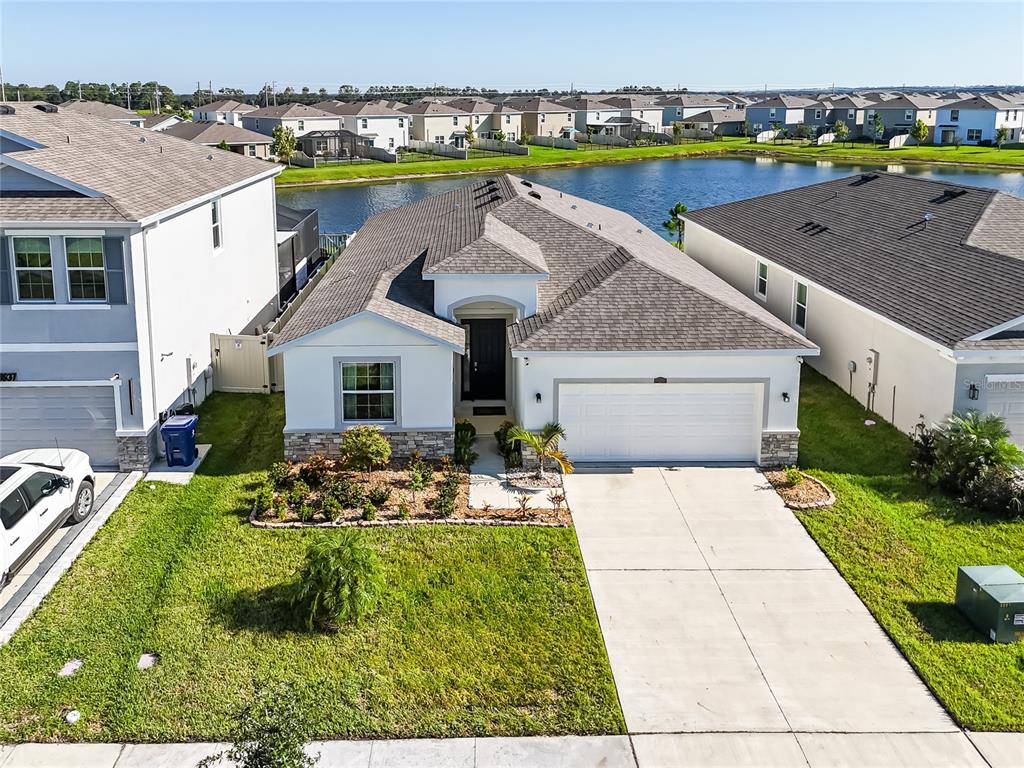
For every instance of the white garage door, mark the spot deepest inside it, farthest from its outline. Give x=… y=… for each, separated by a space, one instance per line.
x=81 y=417
x=661 y=422
x=1006 y=399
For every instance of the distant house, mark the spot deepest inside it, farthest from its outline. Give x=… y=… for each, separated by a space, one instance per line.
x=386 y=128
x=901 y=113
x=224 y=111
x=785 y=111
x=910 y=286
x=160 y=122
x=642 y=111
x=719 y=122
x=437 y=122
x=592 y=113
x=676 y=109
x=335 y=144
x=543 y=117
x=102 y=109
x=490 y=118
x=976 y=120
x=213 y=134
x=300 y=118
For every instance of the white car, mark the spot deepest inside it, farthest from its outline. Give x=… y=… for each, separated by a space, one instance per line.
x=39 y=490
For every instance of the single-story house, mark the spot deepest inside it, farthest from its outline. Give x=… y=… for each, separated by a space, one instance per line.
x=720 y=122
x=509 y=295
x=160 y=122
x=107 y=111
x=976 y=119
x=214 y=134
x=912 y=288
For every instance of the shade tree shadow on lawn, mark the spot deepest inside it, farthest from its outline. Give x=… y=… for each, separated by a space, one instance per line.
x=944 y=623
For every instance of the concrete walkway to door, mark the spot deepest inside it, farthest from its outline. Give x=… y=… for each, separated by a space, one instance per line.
x=721 y=614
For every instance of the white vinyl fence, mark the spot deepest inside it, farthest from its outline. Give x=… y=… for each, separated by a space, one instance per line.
x=508 y=147
x=766 y=137
x=553 y=141
x=826 y=138
x=433 y=148
x=899 y=140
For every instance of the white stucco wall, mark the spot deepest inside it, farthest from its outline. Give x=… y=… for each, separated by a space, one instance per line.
x=424 y=375
x=452 y=291
x=390 y=132
x=195 y=290
x=542 y=373
x=916 y=377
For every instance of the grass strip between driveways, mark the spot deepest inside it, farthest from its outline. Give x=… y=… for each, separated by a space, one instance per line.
x=899 y=544
x=483 y=631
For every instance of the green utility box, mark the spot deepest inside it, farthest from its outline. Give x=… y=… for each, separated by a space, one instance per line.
x=992 y=598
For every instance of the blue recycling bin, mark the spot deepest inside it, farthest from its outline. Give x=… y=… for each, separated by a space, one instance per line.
x=179 y=436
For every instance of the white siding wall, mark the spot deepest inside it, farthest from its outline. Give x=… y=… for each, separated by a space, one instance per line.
x=425 y=386
x=389 y=135
x=451 y=291
x=921 y=374
x=195 y=290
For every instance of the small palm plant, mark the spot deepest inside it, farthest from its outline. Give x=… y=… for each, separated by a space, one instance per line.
x=339 y=582
x=545 y=444
x=676 y=225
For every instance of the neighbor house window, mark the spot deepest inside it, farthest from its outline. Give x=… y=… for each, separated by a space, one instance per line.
x=908 y=114
x=508 y=119
x=252 y=150
x=365 y=123
x=401 y=122
x=302 y=125
x=218 y=237
x=476 y=119
x=817 y=114
x=34 y=268
x=679 y=111
x=85 y=268
x=321 y=145
x=391 y=142
x=257 y=124
x=542 y=116
x=954 y=114
x=974 y=134
x=849 y=114
x=455 y=120
x=771 y=112
x=368 y=391
x=800 y=307
x=761 y=288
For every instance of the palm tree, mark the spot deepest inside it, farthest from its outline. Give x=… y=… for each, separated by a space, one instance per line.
x=544 y=444
x=675 y=224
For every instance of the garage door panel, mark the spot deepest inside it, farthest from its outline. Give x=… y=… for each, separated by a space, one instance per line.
x=1006 y=399
x=661 y=422
x=78 y=417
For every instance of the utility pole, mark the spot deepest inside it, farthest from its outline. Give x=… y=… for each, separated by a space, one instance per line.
x=273 y=86
x=3 y=88
x=79 y=90
x=128 y=90
x=199 y=92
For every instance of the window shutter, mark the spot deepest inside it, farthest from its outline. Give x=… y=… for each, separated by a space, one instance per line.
x=113 y=263
x=6 y=286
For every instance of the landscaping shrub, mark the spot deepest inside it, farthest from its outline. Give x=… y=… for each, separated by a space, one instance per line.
x=465 y=436
x=793 y=476
x=545 y=445
x=348 y=493
x=330 y=507
x=365 y=447
x=507 y=447
x=340 y=581
x=298 y=494
x=306 y=512
x=449 y=490
x=997 y=491
x=316 y=469
x=264 y=498
x=379 y=495
x=268 y=731
x=954 y=454
x=369 y=511
x=279 y=473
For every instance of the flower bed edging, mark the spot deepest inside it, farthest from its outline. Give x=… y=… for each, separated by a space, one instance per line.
x=828 y=502
x=256 y=523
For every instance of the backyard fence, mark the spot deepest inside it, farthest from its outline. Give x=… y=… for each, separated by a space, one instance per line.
x=826 y=138
x=766 y=137
x=899 y=140
x=433 y=148
x=554 y=141
x=606 y=140
x=505 y=147
x=240 y=362
x=376 y=153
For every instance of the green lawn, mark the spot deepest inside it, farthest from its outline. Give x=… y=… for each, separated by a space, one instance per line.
x=860 y=151
x=899 y=545
x=483 y=630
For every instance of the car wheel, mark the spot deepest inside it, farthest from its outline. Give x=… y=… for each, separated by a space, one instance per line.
x=83 y=502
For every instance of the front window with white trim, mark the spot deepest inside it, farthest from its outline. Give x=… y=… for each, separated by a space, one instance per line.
x=218 y=236
x=86 y=280
x=368 y=391
x=761 y=287
x=800 y=307
x=33 y=268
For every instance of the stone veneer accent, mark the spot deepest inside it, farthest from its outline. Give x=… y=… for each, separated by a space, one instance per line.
x=433 y=444
x=780 y=449
x=135 y=452
x=530 y=462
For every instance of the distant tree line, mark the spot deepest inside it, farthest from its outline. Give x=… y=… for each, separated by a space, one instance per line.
x=139 y=95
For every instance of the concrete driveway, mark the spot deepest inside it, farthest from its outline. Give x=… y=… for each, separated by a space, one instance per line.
x=721 y=614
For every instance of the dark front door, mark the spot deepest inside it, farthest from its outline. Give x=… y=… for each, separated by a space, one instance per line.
x=486 y=360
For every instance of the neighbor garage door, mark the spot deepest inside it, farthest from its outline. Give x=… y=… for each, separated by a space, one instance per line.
x=1006 y=399
x=618 y=421
x=81 y=417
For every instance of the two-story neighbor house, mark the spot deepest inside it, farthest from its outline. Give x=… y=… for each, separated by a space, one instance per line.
x=490 y=118
x=300 y=118
x=436 y=121
x=901 y=113
x=641 y=111
x=913 y=288
x=385 y=127
x=543 y=117
x=121 y=251
x=977 y=119
x=592 y=113
x=675 y=109
x=785 y=111
x=224 y=111
x=823 y=115
x=107 y=111
x=506 y=294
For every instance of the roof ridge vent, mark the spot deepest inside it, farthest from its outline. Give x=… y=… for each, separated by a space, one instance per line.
x=526 y=183
x=6 y=109
x=534 y=193
x=49 y=108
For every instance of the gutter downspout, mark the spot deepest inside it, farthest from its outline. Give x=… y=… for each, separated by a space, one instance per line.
x=149 y=323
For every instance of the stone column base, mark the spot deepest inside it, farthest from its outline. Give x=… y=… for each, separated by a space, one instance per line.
x=432 y=444
x=780 y=449
x=135 y=452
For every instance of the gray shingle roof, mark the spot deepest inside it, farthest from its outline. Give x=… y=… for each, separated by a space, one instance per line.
x=360 y=108
x=289 y=110
x=209 y=132
x=100 y=109
x=980 y=102
x=784 y=101
x=136 y=172
x=717 y=116
x=226 y=105
x=432 y=108
x=911 y=101
x=612 y=284
x=958 y=275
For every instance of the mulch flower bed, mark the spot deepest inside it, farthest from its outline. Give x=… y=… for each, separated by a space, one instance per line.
x=323 y=492
x=808 y=493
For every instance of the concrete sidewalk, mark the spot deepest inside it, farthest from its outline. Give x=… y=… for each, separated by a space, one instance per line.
x=689 y=750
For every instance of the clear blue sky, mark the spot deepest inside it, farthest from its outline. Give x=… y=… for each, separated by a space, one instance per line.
x=514 y=45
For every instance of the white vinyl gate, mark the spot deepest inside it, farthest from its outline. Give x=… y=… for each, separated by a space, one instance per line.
x=1006 y=399
x=82 y=416
x=672 y=422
